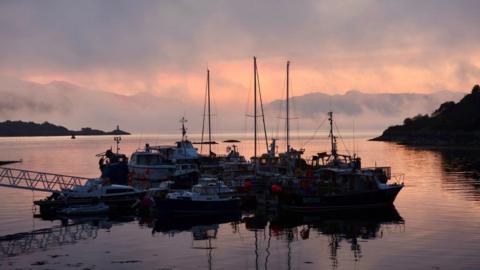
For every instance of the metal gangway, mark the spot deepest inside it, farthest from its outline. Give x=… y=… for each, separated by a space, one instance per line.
x=38 y=181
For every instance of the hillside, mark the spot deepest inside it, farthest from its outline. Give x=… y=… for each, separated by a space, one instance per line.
x=20 y=128
x=369 y=111
x=451 y=124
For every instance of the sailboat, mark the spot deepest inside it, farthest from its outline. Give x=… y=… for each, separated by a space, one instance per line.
x=223 y=165
x=288 y=162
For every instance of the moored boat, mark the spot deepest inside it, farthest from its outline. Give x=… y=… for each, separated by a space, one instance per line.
x=209 y=197
x=338 y=182
x=94 y=191
x=158 y=163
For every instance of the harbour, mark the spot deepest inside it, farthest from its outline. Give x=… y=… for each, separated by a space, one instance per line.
x=258 y=135
x=439 y=198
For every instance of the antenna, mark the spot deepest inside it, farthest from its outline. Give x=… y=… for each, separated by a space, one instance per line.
x=117 y=140
x=184 y=130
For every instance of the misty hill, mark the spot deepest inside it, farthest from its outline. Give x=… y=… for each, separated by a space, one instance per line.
x=71 y=105
x=19 y=128
x=75 y=106
x=451 y=123
x=368 y=111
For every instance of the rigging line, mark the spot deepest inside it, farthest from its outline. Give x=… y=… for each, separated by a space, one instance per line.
x=263 y=113
x=280 y=112
x=297 y=119
x=203 y=122
x=341 y=139
x=216 y=116
x=247 y=106
x=314 y=133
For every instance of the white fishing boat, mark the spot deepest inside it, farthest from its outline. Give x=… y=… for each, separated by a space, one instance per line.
x=209 y=197
x=159 y=163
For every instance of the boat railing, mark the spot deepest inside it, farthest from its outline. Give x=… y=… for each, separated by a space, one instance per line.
x=398 y=178
x=386 y=170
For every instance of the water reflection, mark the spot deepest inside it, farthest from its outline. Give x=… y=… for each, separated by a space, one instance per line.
x=352 y=227
x=462 y=171
x=69 y=232
x=459 y=168
x=204 y=230
x=271 y=233
x=173 y=225
x=348 y=226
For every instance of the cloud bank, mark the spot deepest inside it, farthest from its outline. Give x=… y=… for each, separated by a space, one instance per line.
x=164 y=47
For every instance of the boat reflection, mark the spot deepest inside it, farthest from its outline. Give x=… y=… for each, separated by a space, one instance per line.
x=172 y=225
x=352 y=227
x=348 y=226
x=204 y=230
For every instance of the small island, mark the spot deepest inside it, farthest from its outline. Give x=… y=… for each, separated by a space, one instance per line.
x=27 y=129
x=452 y=124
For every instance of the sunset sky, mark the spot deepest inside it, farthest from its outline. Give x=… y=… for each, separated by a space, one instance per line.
x=164 y=47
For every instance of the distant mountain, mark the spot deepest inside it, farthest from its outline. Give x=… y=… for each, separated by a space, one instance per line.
x=69 y=104
x=368 y=111
x=19 y=128
x=451 y=123
x=74 y=106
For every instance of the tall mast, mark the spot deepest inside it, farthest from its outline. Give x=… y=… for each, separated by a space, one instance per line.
x=332 y=137
x=255 y=105
x=209 y=120
x=288 y=111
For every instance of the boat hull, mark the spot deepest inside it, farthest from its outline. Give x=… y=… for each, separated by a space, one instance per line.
x=197 y=208
x=50 y=206
x=368 y=199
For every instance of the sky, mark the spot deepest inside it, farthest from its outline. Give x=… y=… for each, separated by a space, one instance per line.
x=164 y=47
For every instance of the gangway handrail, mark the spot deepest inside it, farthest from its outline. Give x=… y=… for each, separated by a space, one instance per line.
x=42 y=239
x=38 y=181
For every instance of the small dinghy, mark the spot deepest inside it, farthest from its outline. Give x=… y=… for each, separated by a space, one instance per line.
x=96 y=209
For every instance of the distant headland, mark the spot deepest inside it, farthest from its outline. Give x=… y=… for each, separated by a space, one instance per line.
x=27 y=129
x=451 y=124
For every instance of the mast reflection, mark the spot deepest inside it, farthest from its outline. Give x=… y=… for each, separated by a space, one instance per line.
x=348 y=226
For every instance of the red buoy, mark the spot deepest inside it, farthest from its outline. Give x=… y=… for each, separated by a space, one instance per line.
x=276 y=188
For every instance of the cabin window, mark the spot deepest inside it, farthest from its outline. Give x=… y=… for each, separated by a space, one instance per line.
x=149 y=160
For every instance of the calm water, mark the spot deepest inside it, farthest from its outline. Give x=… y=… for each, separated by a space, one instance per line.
x=435 y=223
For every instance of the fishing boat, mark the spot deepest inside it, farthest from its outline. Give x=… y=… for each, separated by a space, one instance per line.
x=338 y=182
x=92 y=192
x=158 y=163
x=209 y=197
